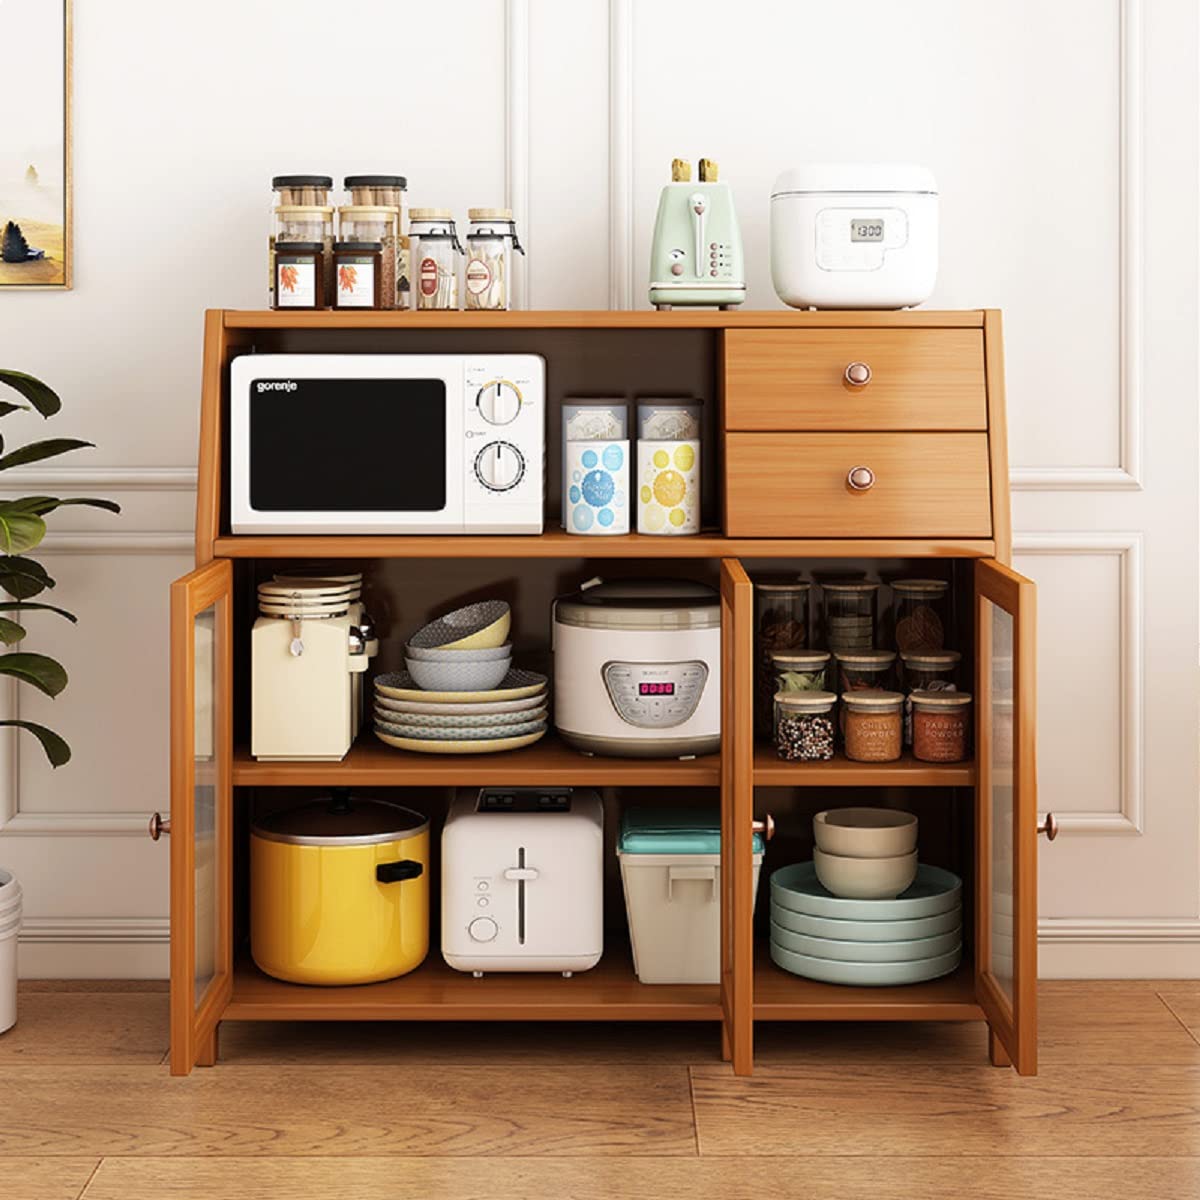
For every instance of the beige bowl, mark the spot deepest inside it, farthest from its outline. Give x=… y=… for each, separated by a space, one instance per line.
x=865 y=878
x=865 y=832
x=495 y=634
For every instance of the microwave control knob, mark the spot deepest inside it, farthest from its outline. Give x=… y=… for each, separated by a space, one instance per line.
x=499 y=466
x=498 y=402
x=483 y=929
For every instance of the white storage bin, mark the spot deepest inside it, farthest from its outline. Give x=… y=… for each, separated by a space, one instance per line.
x=10 y=926
x=673 y=900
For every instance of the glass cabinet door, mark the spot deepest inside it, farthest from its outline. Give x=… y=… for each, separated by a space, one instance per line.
x=1006 y=814
x=201 y=810
x=737 y=814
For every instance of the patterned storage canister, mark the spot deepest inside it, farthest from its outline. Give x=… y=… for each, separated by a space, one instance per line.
x=595 y=467
x=668 y=467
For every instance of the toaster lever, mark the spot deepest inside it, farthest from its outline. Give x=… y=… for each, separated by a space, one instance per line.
x=521 y=873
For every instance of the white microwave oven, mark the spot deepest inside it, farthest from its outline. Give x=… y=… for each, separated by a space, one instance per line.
x=387 y=443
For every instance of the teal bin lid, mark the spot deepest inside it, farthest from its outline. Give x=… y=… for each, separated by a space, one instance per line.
x=674 y=831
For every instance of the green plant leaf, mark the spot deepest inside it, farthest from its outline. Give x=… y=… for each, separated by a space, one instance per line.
x=43 y=672
x=42 y=397
x=57 y=751
x=41 y=505
x=10 y=631
x=25 y=606
x=36 y=451
x=19 y=531
x=6 y=407
x=23 y=577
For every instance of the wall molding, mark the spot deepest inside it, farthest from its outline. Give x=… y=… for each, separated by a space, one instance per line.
x=1127 y=475
x=104 y=930
x=1127 y=548
x=123 y=479
x=516 y=138
x=621 y=240
x=126 y=542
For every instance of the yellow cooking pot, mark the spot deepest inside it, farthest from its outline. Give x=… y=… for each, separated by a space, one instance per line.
x=339 y=891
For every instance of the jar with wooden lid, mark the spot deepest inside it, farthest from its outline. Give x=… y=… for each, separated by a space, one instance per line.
x=941 y=726
x=780 y=623
x=920 y=615
x=359 y=267
x=849 y=614
x=303 y=223
x=491 y=241
x=871 y=725
x=300 y=275
x=375 y=223
x=864 y=669
x=803 y=726
x=926 y=672
x=434 y=251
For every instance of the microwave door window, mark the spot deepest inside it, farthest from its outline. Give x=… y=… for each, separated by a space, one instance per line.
x=348 y=445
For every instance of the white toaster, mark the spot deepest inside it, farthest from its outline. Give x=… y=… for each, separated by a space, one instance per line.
x=523 y=880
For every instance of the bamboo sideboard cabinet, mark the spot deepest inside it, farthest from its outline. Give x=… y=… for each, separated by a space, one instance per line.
x=784 y=422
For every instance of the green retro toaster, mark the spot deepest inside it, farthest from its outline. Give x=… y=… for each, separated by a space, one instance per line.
x=696 y=256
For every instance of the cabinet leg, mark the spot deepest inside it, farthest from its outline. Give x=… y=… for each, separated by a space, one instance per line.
x=726 y=1048
x=997 y=1054
x=206 y=1052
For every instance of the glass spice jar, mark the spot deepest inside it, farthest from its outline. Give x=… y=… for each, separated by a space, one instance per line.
x=941 y=726
x=926 y=672
x=920 y=615
x=434 y=253
x=491 y=242
x=871 y=725
x=303 y=223
x=780 y=623
x=799 y=670
x=804 y=726
x=849 y=615
x=865 y=669
x=359 y=274
x=299 y=275
x=374 y=223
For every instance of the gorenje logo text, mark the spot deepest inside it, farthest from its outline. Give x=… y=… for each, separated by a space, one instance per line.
x=275 y=385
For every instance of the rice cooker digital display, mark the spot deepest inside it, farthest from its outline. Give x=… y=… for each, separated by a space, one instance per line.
x=866 y=231
x=654 y=695
x=854 y=238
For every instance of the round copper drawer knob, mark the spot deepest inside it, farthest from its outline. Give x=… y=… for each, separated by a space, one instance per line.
x=858 y=374
x=1049 y=827
x=158 y=826
x=860 y=478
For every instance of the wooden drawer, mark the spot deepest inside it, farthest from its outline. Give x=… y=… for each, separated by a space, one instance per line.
x=796 y=379
x=795 y=485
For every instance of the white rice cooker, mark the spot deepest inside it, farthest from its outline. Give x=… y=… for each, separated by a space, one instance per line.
x=637 y=668
x=854 y=235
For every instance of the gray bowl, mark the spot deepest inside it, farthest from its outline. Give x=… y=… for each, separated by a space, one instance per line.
x=458 y=676
x=494 y=654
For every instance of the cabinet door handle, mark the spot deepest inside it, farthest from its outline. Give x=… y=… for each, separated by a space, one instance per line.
x=857 y=374
x=860 y=479
x=158 y=826
x=766 y=827
x=1048 y=826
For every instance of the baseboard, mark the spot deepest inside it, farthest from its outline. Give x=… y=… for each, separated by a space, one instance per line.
x=94 y=948
x=1119 y=949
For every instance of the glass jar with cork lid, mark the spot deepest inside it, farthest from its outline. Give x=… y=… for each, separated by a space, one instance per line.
x=491 y=242
x=920 y=615
x=375 y=223
x=941 y=726
x=803 y=726
x=302 y=223
x=434 y=251
x=871 y=725
x=849 y=614
x=780 y=623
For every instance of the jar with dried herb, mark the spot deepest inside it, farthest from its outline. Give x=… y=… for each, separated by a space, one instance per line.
x=375 y=223
x=434 y=255
x=799 y=670
x=780 y=623
x=871 y=725
x=804 y=726
x=849 y=616
x=926 y=672
x=864 y=669
x=920 y=615
x=299 y=275
x=491 y=242
x=303 y=223
x=359 y=274
x=941 y=724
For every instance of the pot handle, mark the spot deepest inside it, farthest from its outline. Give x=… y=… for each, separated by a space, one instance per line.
x=395 y=872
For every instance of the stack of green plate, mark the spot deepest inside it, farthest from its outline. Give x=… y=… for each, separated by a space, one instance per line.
x=872 y=943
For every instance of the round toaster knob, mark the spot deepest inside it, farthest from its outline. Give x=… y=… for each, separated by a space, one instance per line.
x=859 y=479
x=483 y=929
x=858 y=374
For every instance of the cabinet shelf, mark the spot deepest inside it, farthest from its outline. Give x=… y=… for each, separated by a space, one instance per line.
x=434 y=992
x=772 y=771
x=550 y=762
x=779 y=996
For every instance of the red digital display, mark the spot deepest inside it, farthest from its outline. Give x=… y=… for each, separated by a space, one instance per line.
x=656 y=689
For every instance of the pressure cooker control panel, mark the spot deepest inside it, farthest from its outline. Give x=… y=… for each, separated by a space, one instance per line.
x=655 y=695
x=857 y=239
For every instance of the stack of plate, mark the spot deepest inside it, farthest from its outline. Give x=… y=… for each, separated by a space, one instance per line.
x=872 y=943
x=460 y=693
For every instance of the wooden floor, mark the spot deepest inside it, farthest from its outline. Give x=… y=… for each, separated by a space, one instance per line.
x=443 y=1112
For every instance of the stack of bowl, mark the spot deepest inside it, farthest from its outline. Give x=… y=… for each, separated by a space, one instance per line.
x=460 y=693
x=864 y=912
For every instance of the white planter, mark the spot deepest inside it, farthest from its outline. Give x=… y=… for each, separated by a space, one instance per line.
x=10 y=926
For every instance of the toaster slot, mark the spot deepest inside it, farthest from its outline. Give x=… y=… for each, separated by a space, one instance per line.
x=521 y=896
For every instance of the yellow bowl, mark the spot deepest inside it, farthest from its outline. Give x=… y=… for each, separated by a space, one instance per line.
x=495 y=634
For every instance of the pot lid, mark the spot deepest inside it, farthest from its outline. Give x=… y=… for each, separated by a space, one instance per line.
x=341 y=819
x=641 y=604
x=858 y=178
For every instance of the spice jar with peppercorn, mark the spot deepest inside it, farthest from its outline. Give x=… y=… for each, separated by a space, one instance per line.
x=780 y=624
x=804 y=726
x=941 y=724
x=920 y=614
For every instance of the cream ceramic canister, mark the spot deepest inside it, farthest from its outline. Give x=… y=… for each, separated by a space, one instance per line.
x=668 y=468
